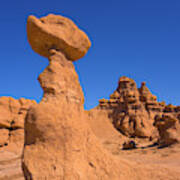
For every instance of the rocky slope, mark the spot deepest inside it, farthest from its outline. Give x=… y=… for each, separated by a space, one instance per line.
x=63 y=141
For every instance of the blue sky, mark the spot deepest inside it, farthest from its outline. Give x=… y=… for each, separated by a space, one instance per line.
x=136 y=38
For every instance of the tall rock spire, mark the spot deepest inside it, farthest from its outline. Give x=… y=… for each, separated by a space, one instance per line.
x=59 y=143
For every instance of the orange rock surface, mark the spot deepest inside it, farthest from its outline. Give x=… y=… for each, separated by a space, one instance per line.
x=59 y=33
x=12 y=116
x=57 y=139
x=136 y=113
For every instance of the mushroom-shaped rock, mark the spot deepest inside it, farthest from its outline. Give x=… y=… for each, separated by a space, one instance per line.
x=59 y=33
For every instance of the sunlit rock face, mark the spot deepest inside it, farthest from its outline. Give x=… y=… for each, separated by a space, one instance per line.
x=57 y=139
x=57 y=134
x=59 y=33
x=169 y=129
x=12 y=116
x=136 y=113
x=60 y=141
x=129 y=111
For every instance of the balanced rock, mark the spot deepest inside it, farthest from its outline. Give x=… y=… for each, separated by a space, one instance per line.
x=59 y=144
x=59 y=33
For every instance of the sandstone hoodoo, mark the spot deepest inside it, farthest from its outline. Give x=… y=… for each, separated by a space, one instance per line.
x=59 y=143
x=127 y=109
x=136 y=113
x=58 y=140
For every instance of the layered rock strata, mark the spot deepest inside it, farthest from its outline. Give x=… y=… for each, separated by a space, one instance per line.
x=136 y=113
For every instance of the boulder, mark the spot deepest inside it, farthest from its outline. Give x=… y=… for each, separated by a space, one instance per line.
x=59 y=33
x=130 y=144
x=168 y=128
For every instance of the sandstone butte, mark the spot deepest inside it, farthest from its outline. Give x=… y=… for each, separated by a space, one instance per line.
x=128 y=136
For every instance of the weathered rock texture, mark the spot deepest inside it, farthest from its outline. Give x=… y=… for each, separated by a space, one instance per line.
x=136 y=113
x=65 y=142
x=60 y=143
x=57 y=135
x=59 y=33
x=169 y=129
x=12 y=115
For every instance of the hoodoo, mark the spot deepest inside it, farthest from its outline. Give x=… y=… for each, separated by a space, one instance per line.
x=136 y=113
x=59 y=143
x=58 y=140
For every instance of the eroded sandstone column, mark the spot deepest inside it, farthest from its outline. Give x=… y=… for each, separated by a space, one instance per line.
x=59 y=144
x=58 y=141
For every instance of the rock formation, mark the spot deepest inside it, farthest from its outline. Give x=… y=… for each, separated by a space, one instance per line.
x=61 y=139
x=57 y=135
x=12 y=115
x=59 y=33
x=59 y=143
x=136 y=113
x=128 y=109
x=169 y=129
